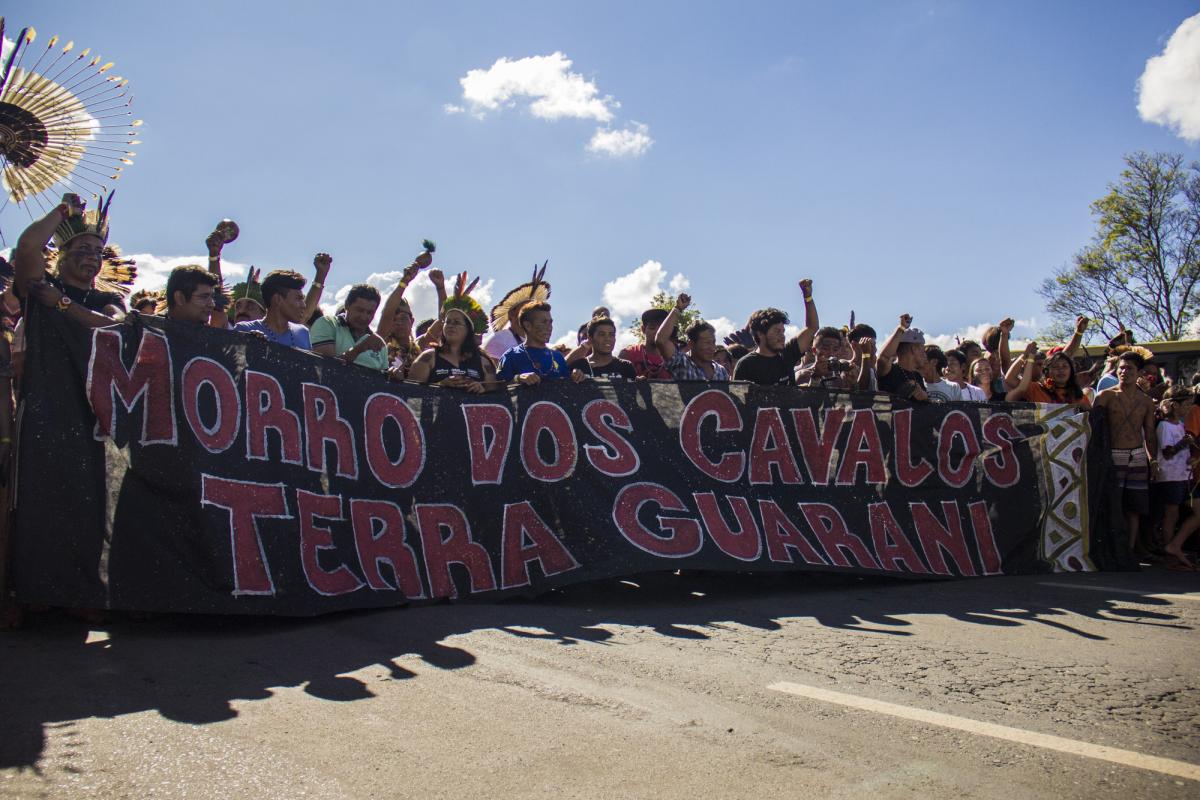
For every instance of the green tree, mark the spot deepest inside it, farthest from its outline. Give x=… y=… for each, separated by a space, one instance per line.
x=1141 y=269
x=666 y=302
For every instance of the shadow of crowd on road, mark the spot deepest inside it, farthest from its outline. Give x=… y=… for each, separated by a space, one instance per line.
x=192 y=668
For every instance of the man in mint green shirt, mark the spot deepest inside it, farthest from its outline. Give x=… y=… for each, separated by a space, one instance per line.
x=348 y=335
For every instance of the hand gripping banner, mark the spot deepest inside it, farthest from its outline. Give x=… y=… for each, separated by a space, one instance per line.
x=164 y=467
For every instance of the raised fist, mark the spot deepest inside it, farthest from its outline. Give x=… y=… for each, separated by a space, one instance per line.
x=215 y=242
x=437 y=277
x=1006 y=324
x=806 y=286
x=683 y=301
x=1081 y=324
x=322 y=261
x=905 y=321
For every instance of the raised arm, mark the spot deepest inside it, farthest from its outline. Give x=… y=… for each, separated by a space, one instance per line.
x=1006 y=326
x=662 y=339
x=1081 y=325
x=321 y=262
x=1017 y=393
x=812 y=321
x=865 y=350
x=887 y=355
x=215 y=243
x=390 y=305
x=28 y=260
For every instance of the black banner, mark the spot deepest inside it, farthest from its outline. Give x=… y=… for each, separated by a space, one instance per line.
x=171 y=468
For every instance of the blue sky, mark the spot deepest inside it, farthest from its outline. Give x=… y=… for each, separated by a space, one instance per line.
x=930 y=157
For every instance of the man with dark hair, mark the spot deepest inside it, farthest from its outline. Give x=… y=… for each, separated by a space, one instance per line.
x=647 y=361
x=600 y=363
x=347 y=335
x=697 y=364
x=823 y=369
x=144 y=302
x=932 y=369
x=532 y=362
x=901 y=361
x=1134 y=442
x=774 y=360
x=283 y=296
x=191 y=294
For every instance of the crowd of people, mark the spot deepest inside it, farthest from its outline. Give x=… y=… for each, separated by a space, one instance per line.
x=1155 y=429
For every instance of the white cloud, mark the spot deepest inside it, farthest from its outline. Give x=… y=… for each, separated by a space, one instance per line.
x=631 y=293
x=628 y=142
x=722 y=327
x=1023 y=331
x=554 y=91
x=1169 y=88
x=152 y=270
x=679 y=283
x=550 y=90
x=421 y=294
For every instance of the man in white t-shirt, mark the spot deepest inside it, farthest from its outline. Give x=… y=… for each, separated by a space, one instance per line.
x=938 y=389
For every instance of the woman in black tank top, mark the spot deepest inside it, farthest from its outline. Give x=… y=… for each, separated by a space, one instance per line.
x=456 y=363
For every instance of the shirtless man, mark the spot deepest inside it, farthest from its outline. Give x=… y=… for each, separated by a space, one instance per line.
x=1134 y=442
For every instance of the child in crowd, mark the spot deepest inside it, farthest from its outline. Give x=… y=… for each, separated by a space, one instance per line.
x=1173 y=477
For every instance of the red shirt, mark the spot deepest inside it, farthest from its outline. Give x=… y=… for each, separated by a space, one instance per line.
x=646 y=365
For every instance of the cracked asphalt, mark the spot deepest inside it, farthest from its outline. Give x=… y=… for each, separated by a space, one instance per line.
x=651 y=687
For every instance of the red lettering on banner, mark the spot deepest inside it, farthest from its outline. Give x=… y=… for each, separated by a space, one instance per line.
x=196 y=374
x=817 y=450
x=265 y=410
x=863 y=448
x=711 y=403
x=322 y=424
x=1002 y=468
x=937 y=538
x=522 y=523
x=457 y=547
x=601 y=418
x=781 y=533
x=314 y=538
x=981 y=524
x=744 y=544
x=150 y=380
x=384 y=543
x=891 y=545
x=827 y=523
x=770 y=447
x=957 y=424
x=547 y=417
x=246 y=502
x=685 y=538
x=403 y=472
x=487 y=458
x=908 y=473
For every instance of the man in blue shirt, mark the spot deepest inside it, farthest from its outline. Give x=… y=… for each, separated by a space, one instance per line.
x=283 y=295
x=532 y=362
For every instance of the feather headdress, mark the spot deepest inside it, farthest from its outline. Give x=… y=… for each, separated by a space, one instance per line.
x=117 y=271
x=64 y=121
x=462 y=301
x=535 y=289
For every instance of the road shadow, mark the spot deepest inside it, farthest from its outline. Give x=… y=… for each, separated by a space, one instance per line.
x=192 y=668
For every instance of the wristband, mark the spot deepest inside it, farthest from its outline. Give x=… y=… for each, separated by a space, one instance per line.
x=318 y=285
x=808 y=298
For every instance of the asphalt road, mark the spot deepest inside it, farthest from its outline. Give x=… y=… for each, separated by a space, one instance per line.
x=666 y=686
